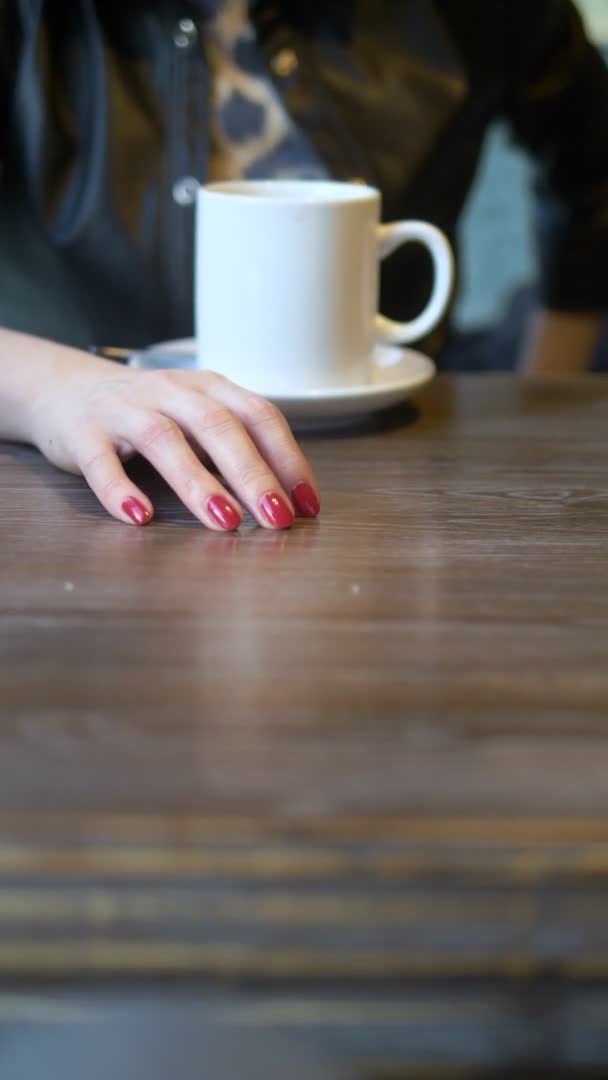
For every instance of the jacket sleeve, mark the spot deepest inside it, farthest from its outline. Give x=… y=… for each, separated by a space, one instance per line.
x=557 y=105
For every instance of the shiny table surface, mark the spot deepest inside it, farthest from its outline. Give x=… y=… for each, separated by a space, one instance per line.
x=370 y=751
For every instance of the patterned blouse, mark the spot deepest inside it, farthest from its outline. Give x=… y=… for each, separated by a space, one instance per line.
x=251 y=133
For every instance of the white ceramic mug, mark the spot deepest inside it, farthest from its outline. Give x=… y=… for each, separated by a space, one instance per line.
x=286 y=282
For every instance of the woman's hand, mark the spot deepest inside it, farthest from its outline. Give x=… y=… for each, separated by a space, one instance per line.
x=88 y=415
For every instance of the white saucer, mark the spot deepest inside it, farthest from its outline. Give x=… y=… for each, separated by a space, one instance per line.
x=394 y=374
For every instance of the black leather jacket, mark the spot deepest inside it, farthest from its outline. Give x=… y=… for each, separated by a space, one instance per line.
x=103 y=109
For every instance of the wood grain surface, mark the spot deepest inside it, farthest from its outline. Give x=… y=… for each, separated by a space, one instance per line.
x=435 y=643
x=371 y=750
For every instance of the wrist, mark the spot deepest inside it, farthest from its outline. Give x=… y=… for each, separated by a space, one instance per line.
x=31 y=369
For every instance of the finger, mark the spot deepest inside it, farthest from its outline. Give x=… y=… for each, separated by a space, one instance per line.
x=103 y=471
x=269 y=431
x=161 y=442
x=232 y=450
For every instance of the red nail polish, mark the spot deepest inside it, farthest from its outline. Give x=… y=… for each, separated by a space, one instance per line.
x=138 y=513
x=276 y=510
x=306 y=500
x=223 y=512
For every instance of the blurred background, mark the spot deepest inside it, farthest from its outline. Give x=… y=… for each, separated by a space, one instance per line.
x=497 y=217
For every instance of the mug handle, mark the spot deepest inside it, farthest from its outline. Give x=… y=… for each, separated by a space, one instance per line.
x=392 y=236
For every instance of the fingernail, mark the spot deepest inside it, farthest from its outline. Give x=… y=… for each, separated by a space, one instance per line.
x=306 y=499
x=276 y=510
x=139 y=514
x=223 y=512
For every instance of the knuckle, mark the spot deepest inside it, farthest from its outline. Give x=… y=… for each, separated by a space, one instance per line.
x=191 y=487
x=217 y=420
x=213 y=380
x=99 y=470
x=262 y=413
x=162 y=382
x=253 y=475
x=92 y=463
x=156 y=430
x=106 y=490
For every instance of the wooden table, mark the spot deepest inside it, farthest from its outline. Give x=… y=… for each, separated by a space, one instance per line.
x=349 y=782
